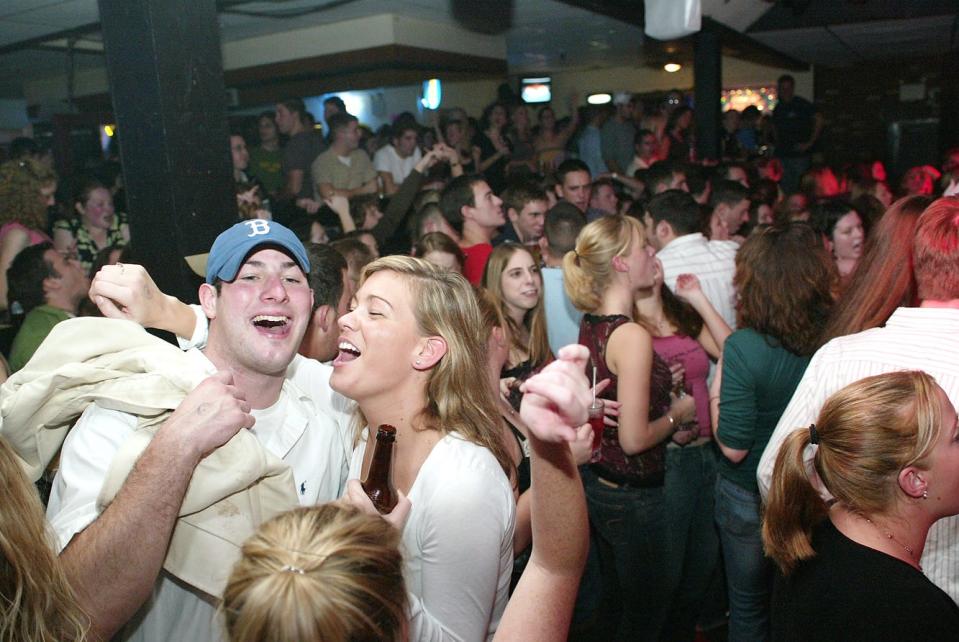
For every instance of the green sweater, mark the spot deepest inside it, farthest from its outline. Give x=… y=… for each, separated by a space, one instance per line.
x=759 y=378
x=36 y=326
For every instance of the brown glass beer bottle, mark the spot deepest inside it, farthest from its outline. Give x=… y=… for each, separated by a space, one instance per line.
x=378 y=484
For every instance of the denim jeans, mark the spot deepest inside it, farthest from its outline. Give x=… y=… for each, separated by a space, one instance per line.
x=748 y=572
x=694 y=541
x=633 y=546
x=793 y=169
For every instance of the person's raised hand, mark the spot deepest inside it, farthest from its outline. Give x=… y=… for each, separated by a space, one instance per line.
x=610 y=407
x=209 y=416
x=556 y=399
x=126 y=291
x=687 y=284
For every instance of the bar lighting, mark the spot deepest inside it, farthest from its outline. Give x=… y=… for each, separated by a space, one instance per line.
x=672 y=67
x=599 y=99
x=432 y=94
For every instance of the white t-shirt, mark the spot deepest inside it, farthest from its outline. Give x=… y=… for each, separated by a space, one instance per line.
x=387 y=160
x=297 y=429
x=457 y=542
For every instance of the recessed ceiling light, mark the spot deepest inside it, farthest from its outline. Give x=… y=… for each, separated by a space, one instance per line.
x=672 y=67
x=599 y=99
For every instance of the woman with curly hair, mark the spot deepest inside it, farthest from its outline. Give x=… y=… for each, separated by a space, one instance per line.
x=27 y=187
x=784 y=279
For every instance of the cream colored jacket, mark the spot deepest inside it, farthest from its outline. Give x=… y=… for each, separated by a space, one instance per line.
x=118 y=365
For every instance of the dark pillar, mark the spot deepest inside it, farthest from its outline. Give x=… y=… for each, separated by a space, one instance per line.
x=949 y=102
x=708 y=86
x=166 y=81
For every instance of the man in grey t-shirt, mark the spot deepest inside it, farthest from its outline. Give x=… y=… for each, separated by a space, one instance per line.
x=300 y=151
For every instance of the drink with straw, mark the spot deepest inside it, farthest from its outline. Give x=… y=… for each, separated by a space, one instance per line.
x=596 y=418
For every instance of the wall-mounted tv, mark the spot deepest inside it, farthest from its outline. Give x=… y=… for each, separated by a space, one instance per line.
x=536 y=90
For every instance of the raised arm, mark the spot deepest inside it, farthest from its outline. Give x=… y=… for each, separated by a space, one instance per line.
x=114 y=562
x=554 y=405
x=126 y=291
x=403 y=197
x=563 y=135
x=715 y=329
x=12 y=244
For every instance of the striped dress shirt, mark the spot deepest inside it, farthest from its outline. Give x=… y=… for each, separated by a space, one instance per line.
x=713 y=263
x=912 y=339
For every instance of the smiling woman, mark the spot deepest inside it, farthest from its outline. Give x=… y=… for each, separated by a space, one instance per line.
x=95 y=226
x=409 y=349
x=513 y=278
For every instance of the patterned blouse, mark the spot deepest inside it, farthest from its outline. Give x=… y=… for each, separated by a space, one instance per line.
x=648 y=467
x=87 y=248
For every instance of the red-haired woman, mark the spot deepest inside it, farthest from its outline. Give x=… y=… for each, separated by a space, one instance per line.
x=784 y=278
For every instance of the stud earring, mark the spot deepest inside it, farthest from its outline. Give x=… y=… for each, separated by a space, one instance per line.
x=417 y=362
x=925 y=494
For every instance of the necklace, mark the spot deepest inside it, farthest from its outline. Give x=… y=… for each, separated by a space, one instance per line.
x=889 y=536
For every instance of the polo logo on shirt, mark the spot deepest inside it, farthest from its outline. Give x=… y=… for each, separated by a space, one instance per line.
x=258 y=226
x=303 y=488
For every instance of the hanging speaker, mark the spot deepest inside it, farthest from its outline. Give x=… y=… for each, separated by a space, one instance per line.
x=671 y=19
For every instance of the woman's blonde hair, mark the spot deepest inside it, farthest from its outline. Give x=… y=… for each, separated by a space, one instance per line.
x=325 y=573
x=36 y=601
x=588 y=270
x=534 y=319
x=456 y=399
x=867 y=433
x=20 y=199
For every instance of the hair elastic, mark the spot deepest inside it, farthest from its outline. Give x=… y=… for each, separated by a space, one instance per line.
x=292 y=569
x=813 y=435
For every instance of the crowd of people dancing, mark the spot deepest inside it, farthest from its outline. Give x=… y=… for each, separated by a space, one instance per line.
x=635 y=393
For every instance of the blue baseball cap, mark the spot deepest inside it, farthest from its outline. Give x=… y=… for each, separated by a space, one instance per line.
x=233 y=245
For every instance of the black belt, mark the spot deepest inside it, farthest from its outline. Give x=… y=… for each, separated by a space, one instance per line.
x=613 y=480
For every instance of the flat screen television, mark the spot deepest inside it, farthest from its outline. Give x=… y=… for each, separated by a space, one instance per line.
x=536 y=90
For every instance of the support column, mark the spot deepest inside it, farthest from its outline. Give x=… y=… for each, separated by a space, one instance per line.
x=708 y=86
x=949 y=102
x=166 y=82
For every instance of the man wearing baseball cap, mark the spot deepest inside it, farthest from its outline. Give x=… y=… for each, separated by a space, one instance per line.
x=258 y=302
x=618 y=133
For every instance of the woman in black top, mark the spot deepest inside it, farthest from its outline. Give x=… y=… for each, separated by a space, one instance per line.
x=887 y=449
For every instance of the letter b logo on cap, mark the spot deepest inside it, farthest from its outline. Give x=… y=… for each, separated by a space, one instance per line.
x=258 y=226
